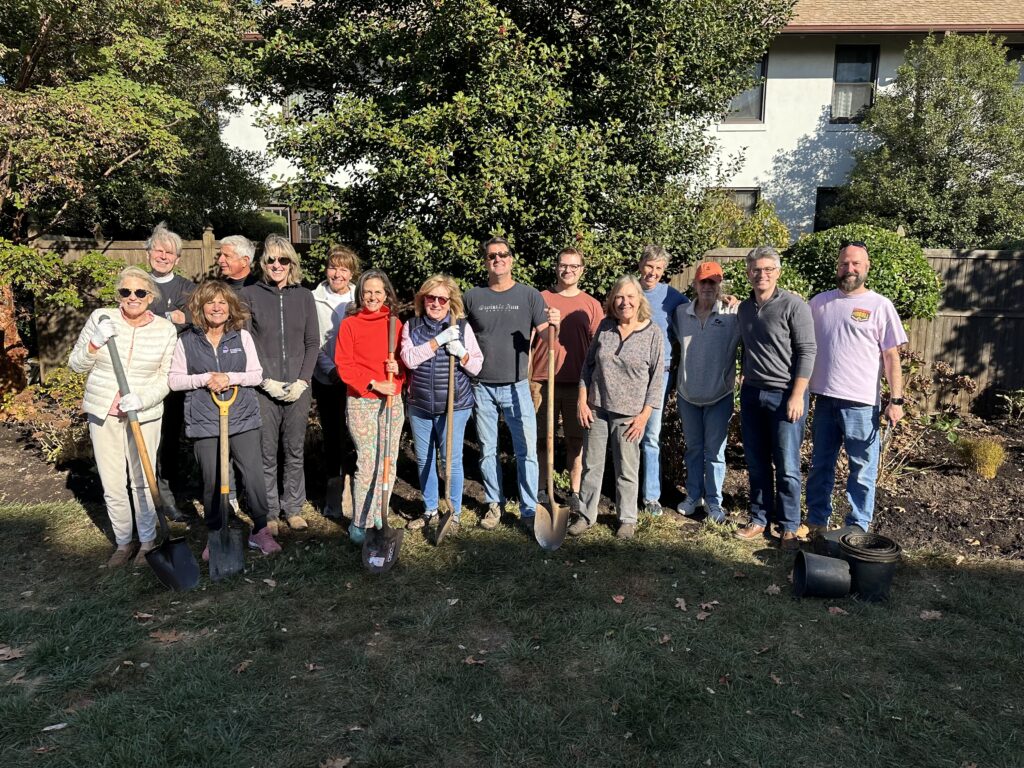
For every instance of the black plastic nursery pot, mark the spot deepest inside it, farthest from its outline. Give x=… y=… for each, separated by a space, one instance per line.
x=828 y=543
x=873 y=560
x=820 y=576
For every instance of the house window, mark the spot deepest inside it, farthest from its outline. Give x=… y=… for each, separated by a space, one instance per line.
x=853 y=87
x=1015 y=52
x=310 y=227
x=824 y=200
x=745 y=199
x=748 y=106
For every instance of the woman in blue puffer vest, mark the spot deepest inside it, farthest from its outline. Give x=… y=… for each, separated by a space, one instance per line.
x=438 y=331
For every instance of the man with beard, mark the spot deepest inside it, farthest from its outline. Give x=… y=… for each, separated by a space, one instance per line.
x=858 y=334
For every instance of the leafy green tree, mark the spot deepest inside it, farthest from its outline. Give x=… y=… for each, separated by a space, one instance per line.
x=421 y=127
x=949 y=154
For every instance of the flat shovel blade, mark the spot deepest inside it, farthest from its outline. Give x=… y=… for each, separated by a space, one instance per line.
x=381 y=548
x=227 y=552
x=174 y=564
x=550 y=525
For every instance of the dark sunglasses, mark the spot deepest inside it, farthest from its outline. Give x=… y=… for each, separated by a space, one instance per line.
x=501 y=255
x=284 y=260
x=442 y=300
x=140 y=293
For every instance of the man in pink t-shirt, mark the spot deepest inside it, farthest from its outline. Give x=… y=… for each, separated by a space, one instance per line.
x=581 y=314
x=858 y=334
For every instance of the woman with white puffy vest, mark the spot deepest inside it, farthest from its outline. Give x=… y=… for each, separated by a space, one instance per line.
x=144 y=344
x=439 y=331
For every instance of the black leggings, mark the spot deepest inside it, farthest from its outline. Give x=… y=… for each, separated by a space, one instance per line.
x=247 y=458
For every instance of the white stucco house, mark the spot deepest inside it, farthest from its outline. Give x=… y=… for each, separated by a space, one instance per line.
x=796 y=130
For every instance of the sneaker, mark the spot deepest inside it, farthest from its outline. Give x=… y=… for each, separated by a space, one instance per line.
x=653 y=508
x=490 y=521
x=297 y=523
x=579 y=527
x=687 y=508
x=264 y=542
x=356 y=534
x=626 y=531
x=420 y=522
x=274 y=526
x=715 y=515
x=120 y=557
x=146 y=546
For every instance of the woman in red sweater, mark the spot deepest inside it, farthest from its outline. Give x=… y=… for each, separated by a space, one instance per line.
x=361 y=355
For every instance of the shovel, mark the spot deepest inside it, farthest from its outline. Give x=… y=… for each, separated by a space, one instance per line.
x=227 y=545
x=171 y=560
x=446 y=510
x=380 y=548
x=552 y=519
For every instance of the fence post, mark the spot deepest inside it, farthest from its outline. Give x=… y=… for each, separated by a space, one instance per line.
x=209 y=249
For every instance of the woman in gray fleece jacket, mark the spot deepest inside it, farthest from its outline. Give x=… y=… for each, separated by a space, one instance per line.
x=621 y=384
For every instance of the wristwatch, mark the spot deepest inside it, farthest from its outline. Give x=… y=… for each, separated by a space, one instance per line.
x=895 y=401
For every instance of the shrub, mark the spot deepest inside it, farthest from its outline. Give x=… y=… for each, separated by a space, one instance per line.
x=726 y=226
x=899 y=269
x=983 y=455
x=51 y=414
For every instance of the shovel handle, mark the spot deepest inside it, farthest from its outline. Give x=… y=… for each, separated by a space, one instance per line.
x=448 y=424
x=385 y=484
x=225 y=405
x=551 y=415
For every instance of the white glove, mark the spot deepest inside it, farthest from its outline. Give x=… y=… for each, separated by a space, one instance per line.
x=294 y=391
x=449 y=334
x=274 y=388
x=456 y=349
x=130 y=402
x=105 y=331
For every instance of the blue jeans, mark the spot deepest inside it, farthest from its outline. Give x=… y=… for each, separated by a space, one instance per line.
x=838 y=422
x=515 y=404
x=705 y=428
x=428 y=435
x=772 y=446
x=650 y=450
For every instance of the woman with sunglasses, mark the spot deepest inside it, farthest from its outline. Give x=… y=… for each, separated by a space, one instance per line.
x=287 y=337
x=361 y=355
x=437 y=333
x=144 y=344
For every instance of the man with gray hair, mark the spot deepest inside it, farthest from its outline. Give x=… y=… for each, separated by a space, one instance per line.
x=778 y=357
x=663 y=299
x=234 y=257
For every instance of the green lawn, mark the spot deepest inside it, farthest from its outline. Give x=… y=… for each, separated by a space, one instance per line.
x=490 y=652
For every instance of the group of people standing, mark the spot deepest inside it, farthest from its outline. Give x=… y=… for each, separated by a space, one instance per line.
x=277 y=346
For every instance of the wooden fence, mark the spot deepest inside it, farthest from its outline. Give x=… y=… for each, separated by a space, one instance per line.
x=979 y=329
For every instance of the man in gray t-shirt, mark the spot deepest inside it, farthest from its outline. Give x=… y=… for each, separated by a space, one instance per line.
x=503 y=315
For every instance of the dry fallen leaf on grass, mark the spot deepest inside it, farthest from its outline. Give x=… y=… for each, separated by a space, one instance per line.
x=835 y=610
x=336 y=762
x=681 y=603
x=931 y=615
x=44 y=750
x=477 y=718
x=664 y=639
x=773 y=589
x=709 y=606
x=473 y=661
x=140 y=616
x=618 y=598
x=798 y=713
x=7 y=653
x=452 y=600
x=702 y=615
x=166 y=636
x=776 y=679
x=244 y=665
x=270 y=583
x=311 y=667
x=55 y=727
x=739 y=575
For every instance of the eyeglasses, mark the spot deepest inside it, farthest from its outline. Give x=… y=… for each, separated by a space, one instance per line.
x=570 y=267
x=283 y=260
x=431 y=299
x=763 y=270
x=499 y=255
x=140 y=293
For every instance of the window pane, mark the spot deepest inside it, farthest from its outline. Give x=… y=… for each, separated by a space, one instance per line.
x=748 y=105
x=1015 y=53
x=855 y=63
x=746 y=199
x=849 y=101
x=826 y=198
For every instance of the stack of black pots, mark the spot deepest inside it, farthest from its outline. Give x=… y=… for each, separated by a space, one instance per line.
x=848 y=561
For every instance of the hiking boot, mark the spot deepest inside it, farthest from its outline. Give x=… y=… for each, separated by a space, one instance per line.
x=789 y=542
x=626 y=531
x=356 y=534
x=274 y=526
x=297 y=523
x=264 y=542
x=579 y=527
x=121 y=556
x=235 y=507
x=144 y=547
x=653 y=508
x=750 y=532
x=490 y=521
x=420 y=522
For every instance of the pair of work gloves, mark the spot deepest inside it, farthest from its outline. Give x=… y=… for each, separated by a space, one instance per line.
x=449 y=339
x=285 y=392
x=104 y=332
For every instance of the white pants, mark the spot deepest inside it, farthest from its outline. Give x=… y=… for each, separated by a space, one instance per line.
x=116 y=459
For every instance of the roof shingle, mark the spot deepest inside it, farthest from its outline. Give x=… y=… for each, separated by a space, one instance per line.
x=915 y=15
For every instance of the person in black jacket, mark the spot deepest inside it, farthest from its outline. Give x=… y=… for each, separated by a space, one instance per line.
x=215 y=354
x=287 y=336
x=163 y=249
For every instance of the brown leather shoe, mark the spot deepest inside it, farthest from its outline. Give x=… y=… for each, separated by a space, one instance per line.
x=790 y=541
x=749 y=532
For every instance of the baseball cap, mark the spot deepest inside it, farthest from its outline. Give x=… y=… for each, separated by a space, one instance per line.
x=709 y=270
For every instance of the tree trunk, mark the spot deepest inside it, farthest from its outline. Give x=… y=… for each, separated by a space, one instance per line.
x=12 y=363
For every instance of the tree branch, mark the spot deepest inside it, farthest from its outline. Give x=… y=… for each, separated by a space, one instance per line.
x=31 y=59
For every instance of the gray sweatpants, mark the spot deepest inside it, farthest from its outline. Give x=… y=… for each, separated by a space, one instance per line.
x=284 y=431
x=607 y=434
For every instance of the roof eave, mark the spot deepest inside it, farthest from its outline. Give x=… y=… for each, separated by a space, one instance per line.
x=832 y=29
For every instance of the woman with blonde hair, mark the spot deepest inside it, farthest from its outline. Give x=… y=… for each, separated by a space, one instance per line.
x=620 y=387
x=144 y=344
x=287 y=337
x=213 y=356
x=438 y=333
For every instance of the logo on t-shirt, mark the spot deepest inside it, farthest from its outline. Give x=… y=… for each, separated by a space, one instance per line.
x=861 y=315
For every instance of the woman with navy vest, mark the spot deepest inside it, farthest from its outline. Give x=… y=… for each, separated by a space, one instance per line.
x=439 y=331
x=212 y=356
